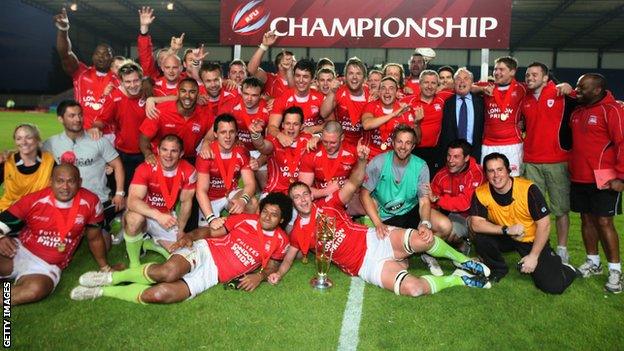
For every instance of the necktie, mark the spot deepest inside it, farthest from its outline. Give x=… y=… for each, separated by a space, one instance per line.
x=462 y=124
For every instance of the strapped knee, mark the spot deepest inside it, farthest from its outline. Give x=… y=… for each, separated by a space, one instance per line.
x=406 y=241
x=398 y=280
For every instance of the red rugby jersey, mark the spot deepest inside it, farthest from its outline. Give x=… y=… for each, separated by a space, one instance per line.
x=147 y=175
x=238 y=160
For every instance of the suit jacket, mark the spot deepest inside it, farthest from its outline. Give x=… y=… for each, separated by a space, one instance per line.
x=449 y=126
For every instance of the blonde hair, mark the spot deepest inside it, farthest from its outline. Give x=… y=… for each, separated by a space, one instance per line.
x=34 y=130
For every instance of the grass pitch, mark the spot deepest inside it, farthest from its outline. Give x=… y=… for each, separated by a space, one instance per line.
x=512 y=315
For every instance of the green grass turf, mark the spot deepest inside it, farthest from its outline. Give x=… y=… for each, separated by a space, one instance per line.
x=512 y=315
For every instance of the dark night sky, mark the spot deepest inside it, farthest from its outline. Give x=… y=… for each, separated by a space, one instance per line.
x=27 y=37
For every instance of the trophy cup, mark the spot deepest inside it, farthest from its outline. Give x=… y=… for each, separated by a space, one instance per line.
x=325 y=230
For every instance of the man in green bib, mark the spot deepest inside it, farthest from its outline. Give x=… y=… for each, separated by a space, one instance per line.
x=395 y=193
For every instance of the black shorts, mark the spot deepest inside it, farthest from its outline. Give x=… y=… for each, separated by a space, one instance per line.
x=410 y=219
x=587 y=198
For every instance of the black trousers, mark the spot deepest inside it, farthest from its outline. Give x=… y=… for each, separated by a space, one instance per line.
x=550 y=275
x=410 y=219
x=130 y=163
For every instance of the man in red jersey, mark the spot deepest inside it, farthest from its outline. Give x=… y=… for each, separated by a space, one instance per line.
x=502 y=114
x=250 y=107
x=125 y=111
x=275 y=84
x=430 y=103
x=54 y=220
x=167 y=85
x=151 y=68
x=381 y=116
x=327 y=169
x=452 y=189
x=220 y=99
x=92 y=85
x=182 y=117
x=152 y=199
x=546 y=144
x=284 y=161
x=357 y=250
x=245 y=243
x=347 y=101
x=302 y=96
x=418 y=62
x=597 y=173
x=218 y=177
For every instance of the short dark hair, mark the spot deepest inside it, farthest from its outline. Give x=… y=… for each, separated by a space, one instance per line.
x=172 y=137
x=305 y=65
x=509 y=61
x=294 y=110
x=601 y=81
x=284 y=203
x=210 y=67
x=62 y=107
x=447 y=69
x=542 y=66
x=253 y=82
x=279 y=56
x=496 y=156
x=190 y=80
x=404 y=128
x=224 y=118
x=401 y=80
x=460 y=144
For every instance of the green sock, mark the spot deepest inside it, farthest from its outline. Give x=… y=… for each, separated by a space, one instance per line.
x=133 y=247
x=130 y=293
x=149 y=244
x=438 y=284
x=442 y=249
x=133 y=275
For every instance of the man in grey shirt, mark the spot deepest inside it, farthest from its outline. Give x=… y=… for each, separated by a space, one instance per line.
x=74 y=146
x=396 y=192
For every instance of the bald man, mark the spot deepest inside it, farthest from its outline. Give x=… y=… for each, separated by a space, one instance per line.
x=54 y=220
x=596 y=167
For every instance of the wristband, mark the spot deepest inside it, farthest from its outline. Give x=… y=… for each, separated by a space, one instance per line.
x=211 y=218
x=246 y=198
x=256 y=136
x=61 y=28
x=426 y=223
x=319 y=135
x=263 y=47
x=120 y=193
x=505 y=230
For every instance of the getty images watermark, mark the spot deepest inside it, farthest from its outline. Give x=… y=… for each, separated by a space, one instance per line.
x=6 y=314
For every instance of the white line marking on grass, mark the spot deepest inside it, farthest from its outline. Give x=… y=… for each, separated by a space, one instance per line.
x=349 y=337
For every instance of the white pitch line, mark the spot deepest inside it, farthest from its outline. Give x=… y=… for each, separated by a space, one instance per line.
x=349 y=336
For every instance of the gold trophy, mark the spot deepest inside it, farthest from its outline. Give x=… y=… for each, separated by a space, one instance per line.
x=325 y=230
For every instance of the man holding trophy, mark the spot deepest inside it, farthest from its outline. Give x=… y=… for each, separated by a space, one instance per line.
x=357 y=250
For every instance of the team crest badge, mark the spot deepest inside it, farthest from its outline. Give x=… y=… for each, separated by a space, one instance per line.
x=314 y=109
x=437 y=107
x=592 y=120
x=196 y=128
x=550 y=102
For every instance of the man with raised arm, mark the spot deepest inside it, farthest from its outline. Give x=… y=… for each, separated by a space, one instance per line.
x=275 y=84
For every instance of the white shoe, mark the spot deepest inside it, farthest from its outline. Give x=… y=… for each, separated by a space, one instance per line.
x=589 y=268
x=563 y=253
x=81 y=293
x=614 y=282
x=93 y=279
x=433 y=265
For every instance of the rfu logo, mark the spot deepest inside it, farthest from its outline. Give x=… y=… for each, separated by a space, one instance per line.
x=249 y=18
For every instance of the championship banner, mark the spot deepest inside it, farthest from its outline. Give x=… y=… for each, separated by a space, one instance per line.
x=453 y=24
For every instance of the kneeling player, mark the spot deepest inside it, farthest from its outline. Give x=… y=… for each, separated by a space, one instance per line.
x=245 y=243
x=152 y=199
x=54 y=220
x=358 y=251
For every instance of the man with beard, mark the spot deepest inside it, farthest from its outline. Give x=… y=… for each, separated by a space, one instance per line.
x=347 y=102
x=396 y=192
x=358 y=251
x=220 y=99
x=182 y=117
x=597 y=173
x=92 y=85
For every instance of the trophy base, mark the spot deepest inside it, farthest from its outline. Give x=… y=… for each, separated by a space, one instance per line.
x=321 y=283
